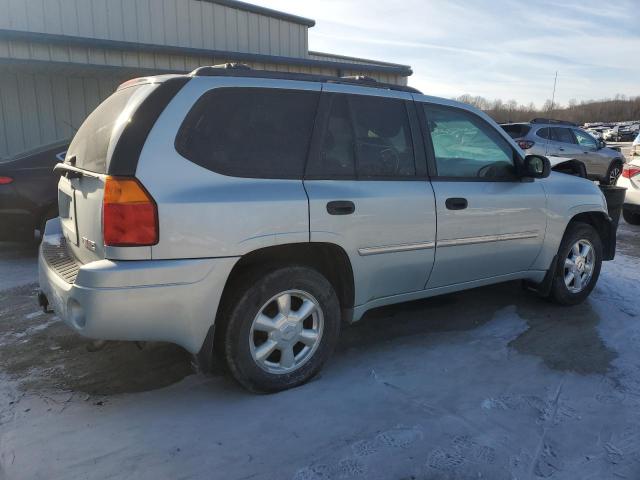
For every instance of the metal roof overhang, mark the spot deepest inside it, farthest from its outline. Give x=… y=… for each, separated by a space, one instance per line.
x=56 y=39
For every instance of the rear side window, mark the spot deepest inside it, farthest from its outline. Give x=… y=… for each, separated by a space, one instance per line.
x=250 y=132
x=563 y=135
x=544 y=132
x=383 y=137
x=365 y=137
x=90 y=145
x=516 y=130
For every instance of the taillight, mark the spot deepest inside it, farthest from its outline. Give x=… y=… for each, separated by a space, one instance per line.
x=129 y=214
x=525 y=144
x=629 y=171
x=5 y=180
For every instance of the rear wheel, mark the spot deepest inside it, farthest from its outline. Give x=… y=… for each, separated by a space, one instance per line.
x=280 y=329
x=579 y=263
x=630 y=217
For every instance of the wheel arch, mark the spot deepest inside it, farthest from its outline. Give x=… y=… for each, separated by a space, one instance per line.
x=329 y=259
x=603 y=224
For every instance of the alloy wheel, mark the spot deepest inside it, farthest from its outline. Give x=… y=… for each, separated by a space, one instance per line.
x=286 y=332
x=579 y=266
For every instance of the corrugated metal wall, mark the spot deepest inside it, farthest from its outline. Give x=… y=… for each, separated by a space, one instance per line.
x=184 y=23
x=37 y=108
x=46 y=88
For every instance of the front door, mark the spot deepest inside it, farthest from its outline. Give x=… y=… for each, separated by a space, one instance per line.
x=368 y=191
x=490 y=222
x=596 y=164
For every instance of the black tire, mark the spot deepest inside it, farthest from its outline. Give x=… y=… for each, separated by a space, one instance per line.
x=613 y=173
x=560 y=292
x=234 y=332
x=630 y=217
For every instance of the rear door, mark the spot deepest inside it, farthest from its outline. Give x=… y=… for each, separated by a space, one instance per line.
x=596 y=164
x=564 y=144
x=368 y=190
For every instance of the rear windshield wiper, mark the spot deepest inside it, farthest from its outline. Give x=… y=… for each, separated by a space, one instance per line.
x=73 y=172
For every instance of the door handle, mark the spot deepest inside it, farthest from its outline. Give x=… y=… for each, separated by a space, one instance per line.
x=456 y=203
x=341 y=207
x=561 y=149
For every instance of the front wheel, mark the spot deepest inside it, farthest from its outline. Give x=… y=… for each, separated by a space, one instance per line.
x=614 y=172
x=579 y=263
x=630 y=217
x=281 y=329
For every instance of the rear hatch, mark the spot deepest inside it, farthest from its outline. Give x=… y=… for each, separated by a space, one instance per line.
x=87 y=164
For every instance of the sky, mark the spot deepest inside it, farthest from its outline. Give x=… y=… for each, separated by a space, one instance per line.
x=506 y=49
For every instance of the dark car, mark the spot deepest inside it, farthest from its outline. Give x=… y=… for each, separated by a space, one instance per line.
x=29 y=191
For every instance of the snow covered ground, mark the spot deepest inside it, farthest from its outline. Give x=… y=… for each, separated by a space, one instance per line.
x=492 y=383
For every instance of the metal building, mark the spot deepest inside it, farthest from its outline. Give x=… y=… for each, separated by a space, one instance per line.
x=60 y=58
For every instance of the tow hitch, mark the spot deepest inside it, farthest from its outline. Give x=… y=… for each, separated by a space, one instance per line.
x=44 y=302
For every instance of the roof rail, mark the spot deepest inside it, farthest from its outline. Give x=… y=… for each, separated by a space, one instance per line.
x=243 y=70
x=552 y=121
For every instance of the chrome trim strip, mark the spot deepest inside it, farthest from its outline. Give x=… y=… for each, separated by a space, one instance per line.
x=455 y=242
x=407 y=247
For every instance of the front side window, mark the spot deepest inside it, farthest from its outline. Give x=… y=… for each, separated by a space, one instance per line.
x=584 y=139
x=250 y=132
x=465 y=146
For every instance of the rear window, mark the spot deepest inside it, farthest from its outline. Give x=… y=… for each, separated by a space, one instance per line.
x=91 y=143
x=250 y=132
x=516 y=130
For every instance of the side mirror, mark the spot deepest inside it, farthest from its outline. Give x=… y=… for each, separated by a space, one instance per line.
x=536 y=166
x=601 y=144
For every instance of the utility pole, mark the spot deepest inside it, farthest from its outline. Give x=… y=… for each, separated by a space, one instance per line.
x=553 y=97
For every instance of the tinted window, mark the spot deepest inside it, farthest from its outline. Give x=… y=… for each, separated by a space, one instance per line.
x=337 y=153
x=466 y=146
x=544 y=132
x=91 y=142
x=250 y=132
x=383 y=137
x=563 y=135
x=366 y=138
x=516 y=130
x=584 y=139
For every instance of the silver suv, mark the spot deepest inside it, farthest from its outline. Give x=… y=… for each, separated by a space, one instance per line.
x=251 y=214
x=564 y=139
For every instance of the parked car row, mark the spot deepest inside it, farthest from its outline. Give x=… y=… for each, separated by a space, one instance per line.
x=261 y=210
x=564 y=139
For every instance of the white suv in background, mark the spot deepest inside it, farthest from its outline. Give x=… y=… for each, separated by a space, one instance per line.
x=630 y=179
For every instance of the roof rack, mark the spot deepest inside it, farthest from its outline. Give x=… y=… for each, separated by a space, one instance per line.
x=243 y=70
x=552 y=121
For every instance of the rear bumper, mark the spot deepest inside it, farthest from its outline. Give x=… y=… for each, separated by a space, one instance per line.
x=150 y=300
